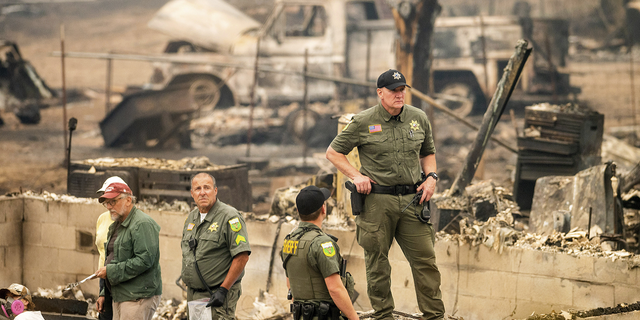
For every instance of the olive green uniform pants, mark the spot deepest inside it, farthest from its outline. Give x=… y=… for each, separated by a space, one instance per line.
x=228 y=310
x=378 y=225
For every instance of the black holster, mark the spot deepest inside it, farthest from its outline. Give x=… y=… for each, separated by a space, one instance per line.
x=425 y=215
x=296 y=310
x=308 y=311
x=357 y=199
x=323 y=311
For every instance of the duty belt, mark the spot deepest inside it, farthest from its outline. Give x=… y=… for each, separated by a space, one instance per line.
x=400 y=189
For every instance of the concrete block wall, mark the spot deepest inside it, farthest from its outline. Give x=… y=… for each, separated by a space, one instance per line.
x=477 y=283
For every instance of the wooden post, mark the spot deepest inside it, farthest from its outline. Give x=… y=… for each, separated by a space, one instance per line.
x=367 y=68
x=492 y=116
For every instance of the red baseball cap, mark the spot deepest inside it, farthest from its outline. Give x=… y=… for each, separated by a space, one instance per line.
x=114 y=190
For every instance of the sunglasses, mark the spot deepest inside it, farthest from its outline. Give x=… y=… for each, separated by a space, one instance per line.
x=111 y=202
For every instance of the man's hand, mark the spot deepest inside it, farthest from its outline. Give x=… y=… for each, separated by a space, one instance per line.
x=217 y=299
x=102 y=273
x=363 y=183
x=428 y=188
x=100 y=304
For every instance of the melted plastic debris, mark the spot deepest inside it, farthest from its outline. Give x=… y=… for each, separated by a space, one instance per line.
x=195 y=163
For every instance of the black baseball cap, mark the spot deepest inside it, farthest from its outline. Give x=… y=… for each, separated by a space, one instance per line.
x=310 y=199
x=392 y=79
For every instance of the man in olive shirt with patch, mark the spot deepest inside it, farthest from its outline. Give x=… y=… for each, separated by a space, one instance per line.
x=395 y=146
x=312 y=261
x=215 y=242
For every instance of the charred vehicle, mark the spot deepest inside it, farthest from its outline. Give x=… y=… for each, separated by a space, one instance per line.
x=469 y=52
x=22 y=91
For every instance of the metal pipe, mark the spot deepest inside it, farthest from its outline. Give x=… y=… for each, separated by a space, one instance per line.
x=73 y=122
x=589 y=225
x=367 y=67
x=107 y=104
x=253 y=97
x=64 y=88
x=305 y=106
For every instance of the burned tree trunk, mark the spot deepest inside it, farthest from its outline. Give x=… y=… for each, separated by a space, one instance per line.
x=415 y=22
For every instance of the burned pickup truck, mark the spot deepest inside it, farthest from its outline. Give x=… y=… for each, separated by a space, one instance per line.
x=22 y=91
x=469 y=52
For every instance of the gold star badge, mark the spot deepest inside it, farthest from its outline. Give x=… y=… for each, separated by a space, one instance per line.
x=414 y=125
x=396 y=75
x=213 y=227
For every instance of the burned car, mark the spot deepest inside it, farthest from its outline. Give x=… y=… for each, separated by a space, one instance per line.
x=22 y=91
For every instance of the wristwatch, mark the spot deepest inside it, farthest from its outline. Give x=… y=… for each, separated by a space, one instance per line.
x=432 y=174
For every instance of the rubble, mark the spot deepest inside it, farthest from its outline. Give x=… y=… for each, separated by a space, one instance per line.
x=195 y=163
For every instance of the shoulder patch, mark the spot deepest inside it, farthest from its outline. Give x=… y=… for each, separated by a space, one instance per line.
x=235 y=224
x=328 y=249
x=347 y=126
x=240 y=238
x=190 y=226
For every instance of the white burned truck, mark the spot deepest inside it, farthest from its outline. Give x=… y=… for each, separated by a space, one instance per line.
x=469 y=52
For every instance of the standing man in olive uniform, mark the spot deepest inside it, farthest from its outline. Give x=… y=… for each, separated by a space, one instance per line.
x=395 y=146
x=216 y=245
x=312 y=262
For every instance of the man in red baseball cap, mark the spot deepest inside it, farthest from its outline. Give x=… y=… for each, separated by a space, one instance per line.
x=132 y=274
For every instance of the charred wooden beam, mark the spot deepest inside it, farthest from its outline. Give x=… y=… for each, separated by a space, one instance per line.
x=492 y=116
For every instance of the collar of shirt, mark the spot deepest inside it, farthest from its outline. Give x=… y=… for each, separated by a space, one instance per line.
x=387 y=116
x=202 y=216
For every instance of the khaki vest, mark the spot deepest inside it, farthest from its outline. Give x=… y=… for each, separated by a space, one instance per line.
x=306 y=283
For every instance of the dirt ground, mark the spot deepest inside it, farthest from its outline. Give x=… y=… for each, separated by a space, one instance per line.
x=32 y=156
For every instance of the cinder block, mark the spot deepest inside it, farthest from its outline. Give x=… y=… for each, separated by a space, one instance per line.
x=503 y=285
x=11 y=209
x=626 y=294
x=448 y=278
x=475 y=308
x=12 y=256
x=592 y=295
x=534 y=262
x=170 y=249
x=58 y=236
x=81 y=215
x=74 y=262
x=549 y=290
x=11 y=233
x=571 y=267
x=55 y=279
x=38 y=258
x=171 y=223
x=489 y=259
x=446 y=253
x=32 y=233
x=38 y=210
x=609 y=271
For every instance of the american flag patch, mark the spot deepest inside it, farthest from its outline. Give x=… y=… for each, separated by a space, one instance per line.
x=375 y=128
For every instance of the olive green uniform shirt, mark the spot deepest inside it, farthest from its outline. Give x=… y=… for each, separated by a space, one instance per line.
x=221 y=236
x=323 y=259
x=389 y=147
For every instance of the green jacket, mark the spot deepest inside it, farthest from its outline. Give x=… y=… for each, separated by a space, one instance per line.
x=134 y=272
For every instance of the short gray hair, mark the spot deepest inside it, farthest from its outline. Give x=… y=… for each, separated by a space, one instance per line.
x=205 y=174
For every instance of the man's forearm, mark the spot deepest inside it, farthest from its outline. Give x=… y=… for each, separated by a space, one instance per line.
x=341 y=162
x=237 y=265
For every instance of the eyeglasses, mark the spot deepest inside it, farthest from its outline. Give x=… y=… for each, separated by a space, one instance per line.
x=111 y=202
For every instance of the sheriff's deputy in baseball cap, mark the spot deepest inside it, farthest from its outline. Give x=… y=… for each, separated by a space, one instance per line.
x=311 y=256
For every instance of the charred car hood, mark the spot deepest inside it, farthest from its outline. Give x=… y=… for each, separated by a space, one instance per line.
x=212 y=24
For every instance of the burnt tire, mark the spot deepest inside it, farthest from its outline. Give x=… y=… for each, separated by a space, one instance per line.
x=462 y=98
x=205 y=92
